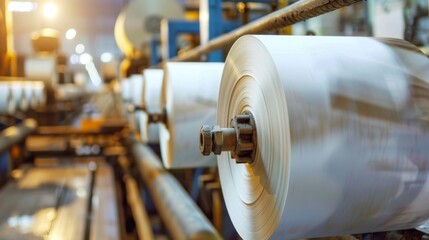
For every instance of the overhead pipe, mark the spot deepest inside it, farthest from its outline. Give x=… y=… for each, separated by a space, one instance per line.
x=292 y=14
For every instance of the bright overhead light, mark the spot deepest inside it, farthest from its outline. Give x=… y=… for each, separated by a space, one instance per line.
x=74 y=59
x=80 y=48
x=70 y=34
x=85 y=58
x=106 y=57
x=15 y=6
x=50 y=10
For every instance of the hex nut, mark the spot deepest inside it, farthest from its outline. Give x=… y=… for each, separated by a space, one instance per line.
x=206 y=140
x=217 y=140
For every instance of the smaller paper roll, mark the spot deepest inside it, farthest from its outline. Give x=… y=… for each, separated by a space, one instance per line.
x=152 y=85
x=136 y=89
x=126 y=89
x=189 y=97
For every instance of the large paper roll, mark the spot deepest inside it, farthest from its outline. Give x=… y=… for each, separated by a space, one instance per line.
x=152 y=85
x=7 y=105
x=342 y=136
x=189 y=96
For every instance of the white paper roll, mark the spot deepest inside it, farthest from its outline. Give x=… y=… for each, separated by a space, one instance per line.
x=342 y=136
x=41 y=68
x=7 y=104
x=39 y=94
x=189 y=96
x=139 y=21
x=152 y=85
x=126 y=89
x=30 y=97
x=19 y=95
x=136 y=89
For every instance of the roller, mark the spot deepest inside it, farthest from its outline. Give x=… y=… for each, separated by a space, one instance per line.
x=181 y=216
x=322 y=136
x=188 y=98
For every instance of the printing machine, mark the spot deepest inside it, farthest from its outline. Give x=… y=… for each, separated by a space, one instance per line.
x=71 y=167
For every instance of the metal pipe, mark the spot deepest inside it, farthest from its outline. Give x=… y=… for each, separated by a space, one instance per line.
x=13 y=135
x=182 y=217
x=141 y=217
x=294 y=13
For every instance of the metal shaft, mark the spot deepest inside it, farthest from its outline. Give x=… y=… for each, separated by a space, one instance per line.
x=240 y=139
x=294 y=13
x=134 y=108
x=157 y=117
x=152 y=117
x=182 y=217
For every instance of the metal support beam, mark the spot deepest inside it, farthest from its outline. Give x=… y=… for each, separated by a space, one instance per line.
x=182 y=217
x=294 y=13
x=13 y=135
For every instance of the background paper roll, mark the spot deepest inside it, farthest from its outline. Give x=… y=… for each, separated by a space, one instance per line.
x=342 y=129
x=152 y=85
x=41 y=68
x=29 y=89
x=140 y=20
x=189 y=96
x=19 y=95
x=6 y=100
x=126 y=89
x=39 y=93
x=136 y=88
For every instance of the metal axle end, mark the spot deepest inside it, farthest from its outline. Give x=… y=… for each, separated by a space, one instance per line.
x=240 y=139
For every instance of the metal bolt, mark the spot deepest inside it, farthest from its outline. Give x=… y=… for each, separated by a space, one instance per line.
x=240 y=139
x=134 y=108
x=205 y=140
x=158 y=117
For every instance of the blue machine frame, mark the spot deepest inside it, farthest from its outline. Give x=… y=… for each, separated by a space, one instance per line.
x=216 y=27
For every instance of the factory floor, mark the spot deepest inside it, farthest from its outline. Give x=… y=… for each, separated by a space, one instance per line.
x=62 y=202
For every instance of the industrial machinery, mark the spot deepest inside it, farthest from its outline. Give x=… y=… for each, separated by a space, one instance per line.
x=225 y=119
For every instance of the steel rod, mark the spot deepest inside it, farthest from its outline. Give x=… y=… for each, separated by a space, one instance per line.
x=294 y=13
x=182 y=217
x=141 y=217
